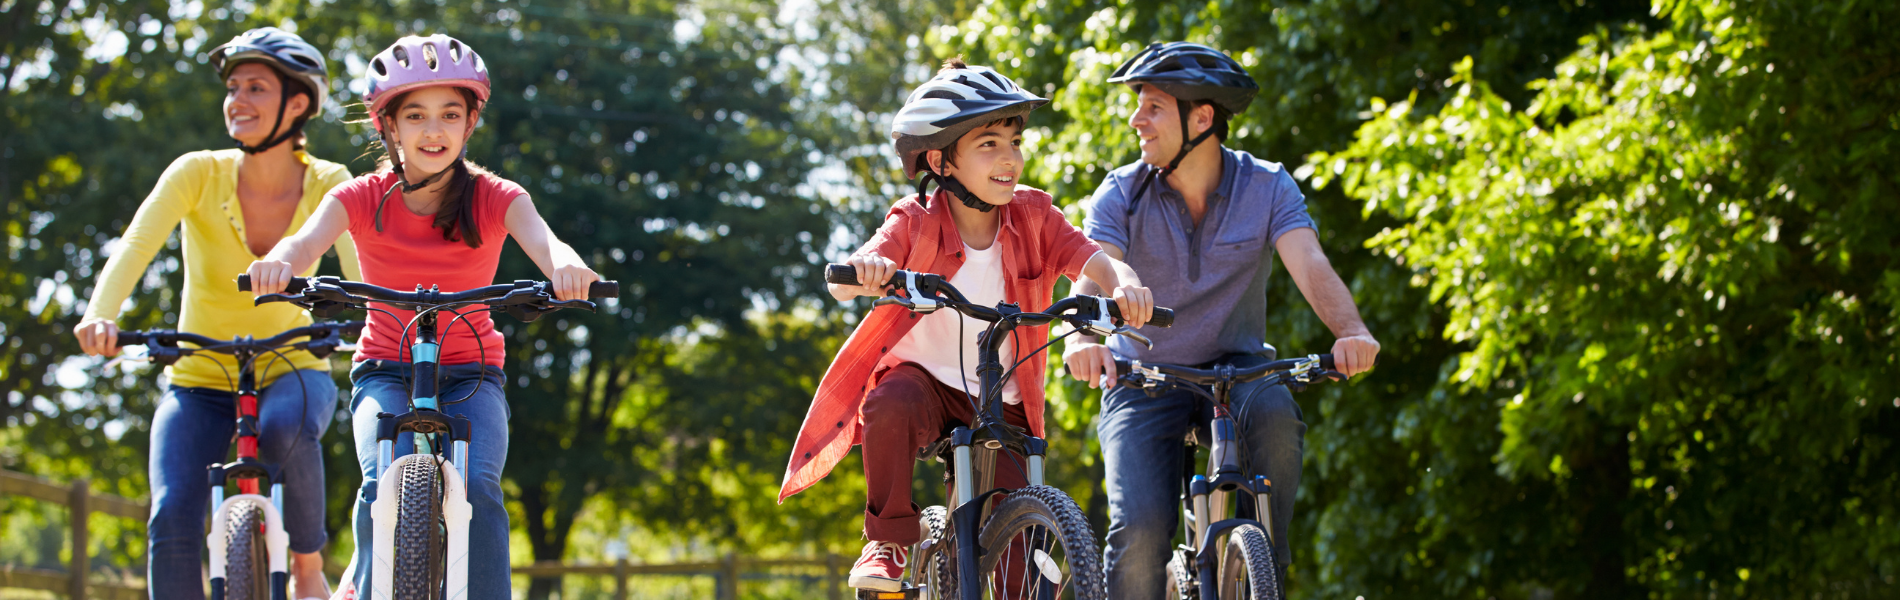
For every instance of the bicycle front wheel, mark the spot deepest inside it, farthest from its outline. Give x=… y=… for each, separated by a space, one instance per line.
x=420 y=539
x=1247 y=571
x=246 y=559
x=1037 y=544
x=934 y=560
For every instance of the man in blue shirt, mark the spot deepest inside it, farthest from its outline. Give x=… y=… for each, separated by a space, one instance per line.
x=1200 y=222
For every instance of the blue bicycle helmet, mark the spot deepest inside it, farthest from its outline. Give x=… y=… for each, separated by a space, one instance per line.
x=292 y=58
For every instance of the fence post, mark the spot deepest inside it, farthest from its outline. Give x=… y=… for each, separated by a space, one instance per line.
x=732 y=577
x=78 y=509
x=620 y=579
x=831 y=577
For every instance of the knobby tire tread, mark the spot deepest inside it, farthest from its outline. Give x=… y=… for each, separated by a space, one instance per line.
x=419 y=540
x=1181 y=584
x=246 y=559
x=935 y=568
x=1249 y=555
x=1085 y=578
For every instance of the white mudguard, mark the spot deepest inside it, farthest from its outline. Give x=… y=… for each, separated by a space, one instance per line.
x=276 y=540
x=456 y=513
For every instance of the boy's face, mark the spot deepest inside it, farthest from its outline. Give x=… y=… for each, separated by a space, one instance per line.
x=989 y=160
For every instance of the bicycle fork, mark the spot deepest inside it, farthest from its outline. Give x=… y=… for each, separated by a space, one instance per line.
x=248 y=471
x=423 y=422
x=973 y=468
x=1209 y=498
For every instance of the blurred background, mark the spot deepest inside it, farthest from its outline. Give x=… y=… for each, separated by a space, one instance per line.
x=1633 y=264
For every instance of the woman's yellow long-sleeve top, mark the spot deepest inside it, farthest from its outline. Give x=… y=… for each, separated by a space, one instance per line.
x=200 y=191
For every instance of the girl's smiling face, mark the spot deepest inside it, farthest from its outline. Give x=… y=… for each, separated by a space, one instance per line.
x=429 y=127
x=251 y=96
x=988 y=161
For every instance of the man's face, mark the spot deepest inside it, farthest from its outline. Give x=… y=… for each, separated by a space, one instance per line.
x=1157 y=120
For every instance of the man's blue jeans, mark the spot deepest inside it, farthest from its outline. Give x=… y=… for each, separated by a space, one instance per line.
x=383 y=386
x=192 y=429
x=1142 y=446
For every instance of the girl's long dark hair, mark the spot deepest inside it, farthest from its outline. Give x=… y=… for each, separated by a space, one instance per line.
x=456 y=216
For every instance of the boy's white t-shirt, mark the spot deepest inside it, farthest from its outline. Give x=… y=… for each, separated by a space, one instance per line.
x=936 y=340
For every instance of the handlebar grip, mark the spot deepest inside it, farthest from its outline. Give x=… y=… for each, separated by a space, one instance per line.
x=601 y=290
x=296 y=285
x=130 y=338
x=1163 y=317
x=841 y=274
x=1326 y=362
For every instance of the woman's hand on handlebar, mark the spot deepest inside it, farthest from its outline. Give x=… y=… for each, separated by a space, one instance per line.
x=873 y=272
x=98 y=337
x=1088 y=362
x=269 y=276
x=571 y=281
x=1137 y=305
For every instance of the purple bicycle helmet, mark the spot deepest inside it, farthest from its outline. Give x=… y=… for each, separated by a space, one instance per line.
x=417 y=62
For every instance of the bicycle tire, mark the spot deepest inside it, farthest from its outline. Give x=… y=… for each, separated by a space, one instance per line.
x=934 y=559
x=1181 y=585
x=420 y=542
x=1043 y=517
x=246 y=559
x=1247 y=571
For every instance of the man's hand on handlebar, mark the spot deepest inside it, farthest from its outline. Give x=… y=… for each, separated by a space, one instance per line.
x=269 y=276
x=1355 y=354
x=1089 y=362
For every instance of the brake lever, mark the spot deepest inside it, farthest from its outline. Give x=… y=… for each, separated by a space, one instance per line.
x=1124 y=330
x=269 y=298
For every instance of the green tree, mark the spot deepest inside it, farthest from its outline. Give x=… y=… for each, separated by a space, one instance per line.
x=1674 y=284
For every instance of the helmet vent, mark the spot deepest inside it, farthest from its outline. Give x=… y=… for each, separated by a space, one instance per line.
x=306 y=60
x=428 y=55
x=455 y=51
x=401 y=55
x=942 y=95
x=381 y=69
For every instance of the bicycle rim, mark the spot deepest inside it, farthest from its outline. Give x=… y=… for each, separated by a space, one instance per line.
x=1037 y=545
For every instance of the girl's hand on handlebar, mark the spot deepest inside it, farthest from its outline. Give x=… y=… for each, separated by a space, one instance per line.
x=1137 y=305
x=873 y=272
x=571 y=281
x=1355 y=354
x=98 y=337
x=1088 y=362
x=269 y=276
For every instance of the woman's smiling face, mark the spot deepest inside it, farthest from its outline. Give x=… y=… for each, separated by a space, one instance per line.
x=252 y=95
x=430 y=127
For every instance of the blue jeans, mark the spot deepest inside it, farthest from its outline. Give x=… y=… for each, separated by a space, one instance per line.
x=192 y=429
x=1142 y=445
x=383 y=386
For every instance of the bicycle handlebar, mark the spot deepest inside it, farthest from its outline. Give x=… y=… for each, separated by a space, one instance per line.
x=847 y=275
x=1234 y=375
x=595 y=291
x=168 y=338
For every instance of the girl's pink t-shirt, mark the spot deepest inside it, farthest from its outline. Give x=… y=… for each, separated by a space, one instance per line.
x=410 y=251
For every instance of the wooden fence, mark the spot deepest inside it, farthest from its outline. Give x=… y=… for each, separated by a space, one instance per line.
x=79 y=500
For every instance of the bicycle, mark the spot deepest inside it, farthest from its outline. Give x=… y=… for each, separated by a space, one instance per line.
x=1246 y=569
x=250 y=551
x=421 y=513
x=1031 y=527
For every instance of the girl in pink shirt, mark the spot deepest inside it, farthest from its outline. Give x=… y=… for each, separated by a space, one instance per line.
x=429 y=217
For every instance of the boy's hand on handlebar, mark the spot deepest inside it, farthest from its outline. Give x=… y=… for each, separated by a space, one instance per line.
x=1088 y=362
x=571 y=281
x=1355 y=354
x=269 y=276
x=98 y=337
x=873 y=272
x=1137 y=305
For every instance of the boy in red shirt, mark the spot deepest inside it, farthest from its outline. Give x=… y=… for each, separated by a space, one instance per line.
x=993 y=240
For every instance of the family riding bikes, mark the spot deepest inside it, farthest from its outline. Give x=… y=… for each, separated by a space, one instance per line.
x=419 y=240
x=949 y=364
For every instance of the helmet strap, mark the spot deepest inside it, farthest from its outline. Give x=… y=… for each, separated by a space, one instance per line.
x=1187 y=146
x=273 y=139
x=402 y=181
x=950 y=184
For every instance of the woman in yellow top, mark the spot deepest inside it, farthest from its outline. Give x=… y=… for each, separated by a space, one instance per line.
x=235 y=205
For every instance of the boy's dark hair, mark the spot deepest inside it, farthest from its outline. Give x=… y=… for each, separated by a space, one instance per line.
x=950 y=151
x=456 y=216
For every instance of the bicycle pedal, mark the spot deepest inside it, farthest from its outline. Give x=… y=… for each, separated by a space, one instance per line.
x=910 y=592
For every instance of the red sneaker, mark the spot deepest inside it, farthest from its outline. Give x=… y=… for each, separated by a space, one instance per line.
x=880 y=568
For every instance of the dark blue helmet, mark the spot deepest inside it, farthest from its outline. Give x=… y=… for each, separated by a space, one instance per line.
x=1190 y=72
